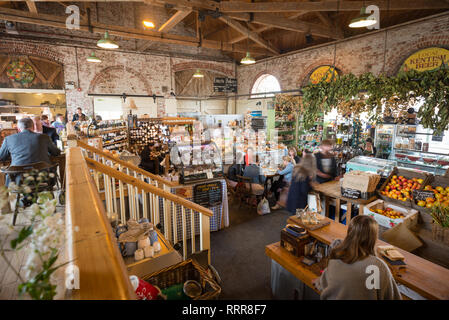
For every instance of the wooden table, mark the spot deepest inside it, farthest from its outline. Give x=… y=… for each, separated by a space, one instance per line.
x=332 y=190
x=426 y=278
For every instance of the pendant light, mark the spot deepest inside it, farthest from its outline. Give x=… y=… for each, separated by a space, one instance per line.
x=106 y=42
x=364 y=20
x=247 y=59
x=93 y=58
x=198 y=74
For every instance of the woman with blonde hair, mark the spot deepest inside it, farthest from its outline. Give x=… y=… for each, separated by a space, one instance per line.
x=280 y=187
x=354 y=271
x=301 y=184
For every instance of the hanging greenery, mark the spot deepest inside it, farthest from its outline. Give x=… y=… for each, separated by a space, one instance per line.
x=353 y=95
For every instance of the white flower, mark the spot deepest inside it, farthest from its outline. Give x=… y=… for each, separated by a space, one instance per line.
x=26 y=189
x=35 y=208
x=26 y=175
x=52 y=175
x=30 y=178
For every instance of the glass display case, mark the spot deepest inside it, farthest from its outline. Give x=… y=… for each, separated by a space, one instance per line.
x=382 y=167
x=417 y=148
x=194 y=163
x=383 y=140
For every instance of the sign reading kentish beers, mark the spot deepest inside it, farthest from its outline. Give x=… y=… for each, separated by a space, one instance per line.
x=323 y=73
x=426 y=59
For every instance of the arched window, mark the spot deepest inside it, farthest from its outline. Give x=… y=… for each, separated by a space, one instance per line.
x=265 y=83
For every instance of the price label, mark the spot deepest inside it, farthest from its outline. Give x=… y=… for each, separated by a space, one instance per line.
x=423 y=195
x=209 y=174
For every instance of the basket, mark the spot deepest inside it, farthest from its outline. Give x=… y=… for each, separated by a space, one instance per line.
x=409 y=174
x=180 y=273
x=440 y=234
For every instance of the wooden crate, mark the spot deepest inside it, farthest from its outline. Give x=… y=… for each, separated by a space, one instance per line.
x=409 y=174
x=434 y=181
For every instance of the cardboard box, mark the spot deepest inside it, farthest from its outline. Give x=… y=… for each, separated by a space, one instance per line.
x=410 y=220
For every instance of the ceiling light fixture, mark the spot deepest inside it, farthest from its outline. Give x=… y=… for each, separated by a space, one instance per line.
x=148 y=24
x=106 y=42
x=93 y=58
x=364 y=20
x=248 y=59
x=198 y=74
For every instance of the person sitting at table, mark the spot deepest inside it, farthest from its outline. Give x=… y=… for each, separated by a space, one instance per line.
x=352 y=262
x=293 y=153
x=280 y=187
x=40 y=128
x=27 y=147
x=325 y=163
x=58 y=124
x=302 y=179
x=79 y=115
x=236 y=169
x=254 y=172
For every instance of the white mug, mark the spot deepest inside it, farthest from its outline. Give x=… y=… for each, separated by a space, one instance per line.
x=143 y=243
x=138 y=255
x=157 y=246
x=148 y=251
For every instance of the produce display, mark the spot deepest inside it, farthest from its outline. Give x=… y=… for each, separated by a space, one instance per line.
x=390 y=213
x=441 y=197
x=400 y=188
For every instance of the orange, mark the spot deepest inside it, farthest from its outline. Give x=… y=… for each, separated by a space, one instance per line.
x=429 y=205
x=430 y=200
x=421 y=203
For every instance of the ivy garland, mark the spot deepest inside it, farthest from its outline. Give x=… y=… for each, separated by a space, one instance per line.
x=352 y=95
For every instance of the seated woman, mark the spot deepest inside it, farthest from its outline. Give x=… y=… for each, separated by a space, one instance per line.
x=293 y=153
x=354 y=271
x=280 y=187
x=235 y=170
x=254 y=172
x=303 y=175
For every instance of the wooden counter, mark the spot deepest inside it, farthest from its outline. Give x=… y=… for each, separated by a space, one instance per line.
x=426 y=278
x=332 y=190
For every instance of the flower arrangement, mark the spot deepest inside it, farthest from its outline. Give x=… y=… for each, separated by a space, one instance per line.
x=43 y=237
x=20 y=71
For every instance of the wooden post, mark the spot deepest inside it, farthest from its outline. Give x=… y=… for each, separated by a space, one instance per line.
x=205 y=234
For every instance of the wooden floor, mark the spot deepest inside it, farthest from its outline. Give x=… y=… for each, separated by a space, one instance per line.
x=9 y=281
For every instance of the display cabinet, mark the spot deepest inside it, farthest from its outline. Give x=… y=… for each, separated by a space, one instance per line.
x=195 y=163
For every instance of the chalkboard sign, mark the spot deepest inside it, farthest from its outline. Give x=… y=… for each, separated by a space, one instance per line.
x=225 y=85
x=351 y=193
x=208 y=194
x=438 y=137
x=231 y=85
x=423 y=195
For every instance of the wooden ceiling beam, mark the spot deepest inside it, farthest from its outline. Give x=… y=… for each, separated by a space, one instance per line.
x=124 y=32
x=240 y=6
x=265 y=28
x=251 y=34
x=174 y=20
x=32 y=6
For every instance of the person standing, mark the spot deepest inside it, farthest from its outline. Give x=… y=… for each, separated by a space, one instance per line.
x=79 y=115
x=325 y=163
x=369 y=150
x=293 y=153
x=280 y=187
x=40 y=128
x=58 y=124
x=303 y=176
x=350 y=264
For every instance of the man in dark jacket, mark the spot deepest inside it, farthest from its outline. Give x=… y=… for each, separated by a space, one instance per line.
x=325 y=163
x=39 y=127
x=27 y=147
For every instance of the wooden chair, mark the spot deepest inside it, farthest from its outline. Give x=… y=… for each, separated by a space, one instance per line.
x=15 y=174
x=244 y=190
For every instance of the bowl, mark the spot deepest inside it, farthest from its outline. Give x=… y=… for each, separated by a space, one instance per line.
x=400 y=155
x=443 y=162
x=192 y=289
x=429 y=160
x=413 y=158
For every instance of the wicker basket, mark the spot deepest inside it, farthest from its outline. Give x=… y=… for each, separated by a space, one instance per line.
x=440 y=234
x=180 y=273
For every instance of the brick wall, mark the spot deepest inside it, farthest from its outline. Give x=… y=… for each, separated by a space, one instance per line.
x=119 y=72
x=357 y=55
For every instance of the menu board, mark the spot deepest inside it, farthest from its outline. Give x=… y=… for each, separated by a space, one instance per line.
x=225 y=84
x=208 y=194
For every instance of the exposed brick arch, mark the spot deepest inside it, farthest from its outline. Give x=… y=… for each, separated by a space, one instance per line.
x=304 y=77
x=204 y=66
x=31 y=49
x=398 y=54
x=119 y=74
x=260 y=74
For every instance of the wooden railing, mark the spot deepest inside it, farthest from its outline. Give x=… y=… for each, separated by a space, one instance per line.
x=90 y=244
x=133 y=193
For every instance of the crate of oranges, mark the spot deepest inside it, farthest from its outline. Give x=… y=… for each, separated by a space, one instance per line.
x=401 y=183
x=389 y=215
x=436 y=192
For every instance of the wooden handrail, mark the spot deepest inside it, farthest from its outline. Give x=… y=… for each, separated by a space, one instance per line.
x=139 y=184
x=91 y=245
x=126 y=164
